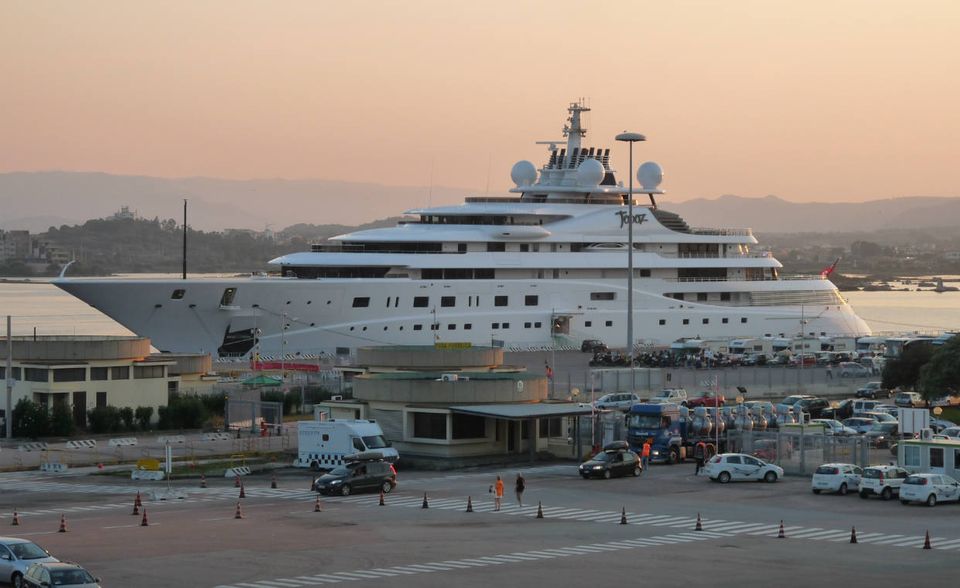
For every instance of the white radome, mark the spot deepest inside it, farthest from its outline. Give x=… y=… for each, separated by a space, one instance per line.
x=523 y=173
x=590 y=173
x=650 y=175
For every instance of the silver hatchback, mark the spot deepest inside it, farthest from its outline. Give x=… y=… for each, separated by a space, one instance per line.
x=16 y=555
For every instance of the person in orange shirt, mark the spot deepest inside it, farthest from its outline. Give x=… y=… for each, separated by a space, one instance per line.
x=497 y=493
x=645 y=454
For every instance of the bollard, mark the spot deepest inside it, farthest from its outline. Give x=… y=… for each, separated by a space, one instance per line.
x=239 y=513
x=699 y=526
x=382 y=503
x=469 y=504
x=926 y=541
x=539 y=510
x=316 y=505
x=143 y=521
x=16 y=519
x=623 y=515
x=781 y=535
x=63 y=524
x=425 y=505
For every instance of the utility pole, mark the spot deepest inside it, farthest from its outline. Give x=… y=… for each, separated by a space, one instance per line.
x=184 y=238
x=8 y=414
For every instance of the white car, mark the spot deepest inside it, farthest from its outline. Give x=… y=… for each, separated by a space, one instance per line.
x=16 y=555
x=836 y=477
x=883 y=481
x=739 y=466
x=848 y=369
x=929 y=488
x=834 y=427
x=619 y=401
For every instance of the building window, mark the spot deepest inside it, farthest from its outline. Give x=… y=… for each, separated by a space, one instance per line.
x=35 y=375
x=500 y=300
x=429 y=425
x=468 y=426
x=421 y=301
x=743 y=319
x=588 y=323
x=663 y=322
x=448 y=301
x=494 y=325
x=143 y=372
x=361 y=302
x=451 y=327
x=706 y=321
x=725 y=320
x=602 y=296
x=537 y=325
x=70 y=375
x=936 y=457
x=725 y=296
x=505 y=325
x=526 y=325
x=552 y=427
x=911 y=456
x=99 y=373
x=686 y=321
x=531 y=300
x=467 y=326
x=101 y=399
x=178 y=294
x=608 y=323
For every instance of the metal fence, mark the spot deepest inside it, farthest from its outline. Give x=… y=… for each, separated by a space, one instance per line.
x=801 y=452
x=252 y=415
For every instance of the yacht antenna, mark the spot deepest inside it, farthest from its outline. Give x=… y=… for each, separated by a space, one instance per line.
x=184 y=238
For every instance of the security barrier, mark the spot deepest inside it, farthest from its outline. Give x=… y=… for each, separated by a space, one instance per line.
x=53 y=468
x=217 y=436
x=237 y=471
x=123 y=442
x=32 y=447
x=171 y=439
x=82 y=444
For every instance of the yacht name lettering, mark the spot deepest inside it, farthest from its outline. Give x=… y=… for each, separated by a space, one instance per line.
x=638 y=219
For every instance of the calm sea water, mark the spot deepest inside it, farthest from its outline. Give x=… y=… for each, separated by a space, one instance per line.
x=49 y=310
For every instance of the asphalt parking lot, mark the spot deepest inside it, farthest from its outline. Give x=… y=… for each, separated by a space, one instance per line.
x=281 y=542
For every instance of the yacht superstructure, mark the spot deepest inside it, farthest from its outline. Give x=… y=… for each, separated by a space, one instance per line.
x=546 y=268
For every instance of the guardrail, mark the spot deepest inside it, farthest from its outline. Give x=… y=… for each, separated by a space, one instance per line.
x=82 y=444
x=171 y=439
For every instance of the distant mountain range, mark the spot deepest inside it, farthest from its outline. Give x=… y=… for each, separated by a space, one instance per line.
x=38 y=200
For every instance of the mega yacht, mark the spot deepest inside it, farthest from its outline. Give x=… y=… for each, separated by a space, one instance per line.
x=544 y=268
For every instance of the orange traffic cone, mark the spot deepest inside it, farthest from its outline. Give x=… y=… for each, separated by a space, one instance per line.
x=623 y=516
x=539 y=510
x=16 y=519
x=242 y=493
x=273 y=482
x=63 y=524
x=137 y=500
x=469 y=504
x=926 y=541
x=236 y=482
x=316 y=505
x=239 y=513
x=425 y=504
x=143 y=521
x=136 y=508
x=203 y=481
x=699 y=526
x=780 y=535
x=382 y=503
x=853 y=535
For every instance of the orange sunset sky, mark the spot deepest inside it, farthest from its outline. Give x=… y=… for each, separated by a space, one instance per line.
x=839 y=100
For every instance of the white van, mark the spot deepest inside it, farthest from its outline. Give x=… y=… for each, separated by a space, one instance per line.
x=322 y=445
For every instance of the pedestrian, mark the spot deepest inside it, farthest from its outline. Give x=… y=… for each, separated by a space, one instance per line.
x=645 y=453
x=699 y=451
x=497 y=493
x=521 y=485
x=829 y=372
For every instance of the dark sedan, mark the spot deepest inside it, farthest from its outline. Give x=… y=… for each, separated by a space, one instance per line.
x=610 y=464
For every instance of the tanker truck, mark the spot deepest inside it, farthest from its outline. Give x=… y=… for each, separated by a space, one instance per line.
x=674 y=431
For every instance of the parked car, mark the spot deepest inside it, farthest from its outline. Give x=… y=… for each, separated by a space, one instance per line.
x=593 y=346
x=836 y=477
x=859 y=424
x=706 y=399
x=908 y=400
x=668 y=396
x=930 y=489
x=880 y=416
x=951 y=432
x=882 y=435
x=813 y=406
x=873 y=390
x=883 y=481
x=46 y=575
x=939 y=425
x=849 y=369
x=16 y=555
x=835 y=427
x=840 y=411
x=364 y=472
x=727 y=467
x=765 y=450
x=615 y=460
x=862 y=406
x=617 y=401
x=793 y=399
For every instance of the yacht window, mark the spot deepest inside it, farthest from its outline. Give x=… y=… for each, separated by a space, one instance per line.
x=701 y=296
x=228 y=295
x=686 y=321
x=467 y=326
x=421 y=301
x=505 y=325
x=678 y=296
x=706 y=321
x=434 y=326
x=743 y=319
x=461 y=247
x=483 y=273
x=725 y=320
x=537 y=325
x=588 y=323
x=644 y=273
x=535 y=248
x=494 y=325
x=178 y=294
x=526 y=325
x=451 y=327
x=609 y=323
x=602 y=296
x=361 y=302
x=343 y=351
x=496 y=247
x=531 y=300
x=663 y=321
x=417 y=327
x=448 y=301
x=500 y=300
x=725 y=296
x=524 y=247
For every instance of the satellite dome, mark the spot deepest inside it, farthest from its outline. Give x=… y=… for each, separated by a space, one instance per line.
x=523 y=173
x=649 y=174
x=590 y=173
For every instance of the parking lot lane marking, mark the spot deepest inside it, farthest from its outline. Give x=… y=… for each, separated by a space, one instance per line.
x=774 y=530
x=891 y=539
x=676 y=522
x=311 y=580
x=955 y=543
x=911 y=542
x=359 y=575
x=819 y=535
x=744 y=528
x=37 y=533
x=283 y=583
x=809 y=531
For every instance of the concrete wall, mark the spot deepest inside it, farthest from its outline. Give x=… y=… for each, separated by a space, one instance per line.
x=428 y=358
x=51 y=348
x=533 y=389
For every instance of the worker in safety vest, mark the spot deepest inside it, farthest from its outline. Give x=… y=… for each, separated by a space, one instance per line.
x=645 y=453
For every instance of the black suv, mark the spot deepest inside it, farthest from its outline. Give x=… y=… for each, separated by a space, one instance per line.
x=360 y=473
x=813 y=406
x=593 y=346
x=615 y=460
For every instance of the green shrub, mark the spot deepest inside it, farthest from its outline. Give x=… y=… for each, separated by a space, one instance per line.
x=126 y=415
x=61 y=423
x=182 y=412
x=144 y=414
x=30 y=419
x=104 y=419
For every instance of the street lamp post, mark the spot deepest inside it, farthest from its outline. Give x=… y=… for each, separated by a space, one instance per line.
x=630 y=138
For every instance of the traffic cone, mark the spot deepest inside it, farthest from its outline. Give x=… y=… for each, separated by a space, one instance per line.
x=926 y=541
x=316 y=505
x=63 y=524
x=425 y=505
x=242 y=493
x=137 y=500
x=136 y=508
x=273 y=482
x=143 y=521
x=203 y=481
x=236 y=481
x=853 y=535
x=382 y=503
x=16 y=519
x=623 y=515
x=780 y=535
x=539 y=510
x=239 y=513
x=469 y=504
x=699 y=526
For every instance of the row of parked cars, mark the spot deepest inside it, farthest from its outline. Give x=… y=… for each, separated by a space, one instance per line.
x=886 y=481
x=23 y=563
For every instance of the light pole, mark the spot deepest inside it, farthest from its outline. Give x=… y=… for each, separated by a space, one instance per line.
x=630 y=138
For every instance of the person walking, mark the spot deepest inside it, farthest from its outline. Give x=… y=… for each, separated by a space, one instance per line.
x=699 y=452
x=645 y=454
x=520 y=486
x=497 y=493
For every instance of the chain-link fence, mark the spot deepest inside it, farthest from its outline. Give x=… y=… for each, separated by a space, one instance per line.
x=253 y=415
x=799 y=451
